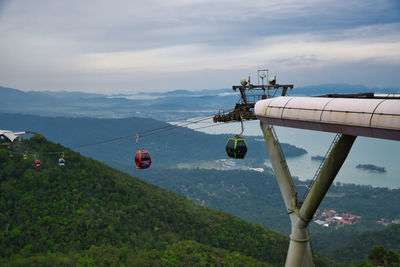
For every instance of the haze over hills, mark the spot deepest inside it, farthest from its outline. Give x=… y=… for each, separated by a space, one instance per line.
x=165 y=106
x=170 y=106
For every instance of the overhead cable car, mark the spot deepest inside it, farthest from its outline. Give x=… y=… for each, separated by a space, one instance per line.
x=61 y=160
x=37 y=163
x=236 y=147
x=142 y=157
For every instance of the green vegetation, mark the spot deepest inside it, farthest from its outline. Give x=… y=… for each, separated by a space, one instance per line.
x=382 y=257
x=361 y=245
x=248 y=194
x=255 y=197
x=183 y=253
x=87 y=213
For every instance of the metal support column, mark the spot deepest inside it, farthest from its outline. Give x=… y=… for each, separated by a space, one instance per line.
x=299 y=252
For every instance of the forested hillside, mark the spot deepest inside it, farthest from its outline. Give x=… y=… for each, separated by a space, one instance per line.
x=86 y=212
x=251 y=195
x=256 y=197
x=361 y=245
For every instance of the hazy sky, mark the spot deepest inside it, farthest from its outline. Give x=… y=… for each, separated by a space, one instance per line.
x=155 y=45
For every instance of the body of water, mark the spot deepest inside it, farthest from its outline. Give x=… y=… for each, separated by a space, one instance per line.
x=379 y=152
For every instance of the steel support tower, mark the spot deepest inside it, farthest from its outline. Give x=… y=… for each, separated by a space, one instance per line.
x=358 y=115
x=300 y=214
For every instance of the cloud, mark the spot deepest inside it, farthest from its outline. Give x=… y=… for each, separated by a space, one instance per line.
x=76 y=41
x=373 y=43
x=108 y=27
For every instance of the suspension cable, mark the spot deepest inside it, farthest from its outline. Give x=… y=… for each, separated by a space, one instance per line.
x=151 y=132
x=193 y=129
x=167 y=128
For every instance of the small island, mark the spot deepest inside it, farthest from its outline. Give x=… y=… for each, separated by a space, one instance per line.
x=317 y=158
x=371 y=168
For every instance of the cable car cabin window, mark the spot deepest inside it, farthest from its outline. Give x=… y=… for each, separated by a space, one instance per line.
x=241 y=149
x=145 y=156
x=230 y=148
x=137 y=157
x=241 y=146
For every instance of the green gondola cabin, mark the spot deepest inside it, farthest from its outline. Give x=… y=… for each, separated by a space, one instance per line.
x=236 y=148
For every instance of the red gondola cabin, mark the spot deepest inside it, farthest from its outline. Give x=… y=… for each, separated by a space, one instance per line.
x=37 y=163
x=142 y=159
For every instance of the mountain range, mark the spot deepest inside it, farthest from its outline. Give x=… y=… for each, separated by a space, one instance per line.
x=165 y=106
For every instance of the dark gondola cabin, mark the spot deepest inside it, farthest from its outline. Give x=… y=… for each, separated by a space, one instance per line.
x=236 y=147
x=142 y=159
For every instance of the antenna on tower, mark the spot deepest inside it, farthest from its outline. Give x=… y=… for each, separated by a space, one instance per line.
x=262 y=75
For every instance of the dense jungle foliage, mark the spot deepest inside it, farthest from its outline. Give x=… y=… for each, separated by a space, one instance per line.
x=255 y=197
x=380 y=256
x=87 y=212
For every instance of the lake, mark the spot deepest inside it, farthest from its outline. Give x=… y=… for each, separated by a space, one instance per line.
x=379 y=152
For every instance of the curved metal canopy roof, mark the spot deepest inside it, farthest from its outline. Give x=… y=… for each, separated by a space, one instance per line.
x=371 y=117
x=10 y=135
